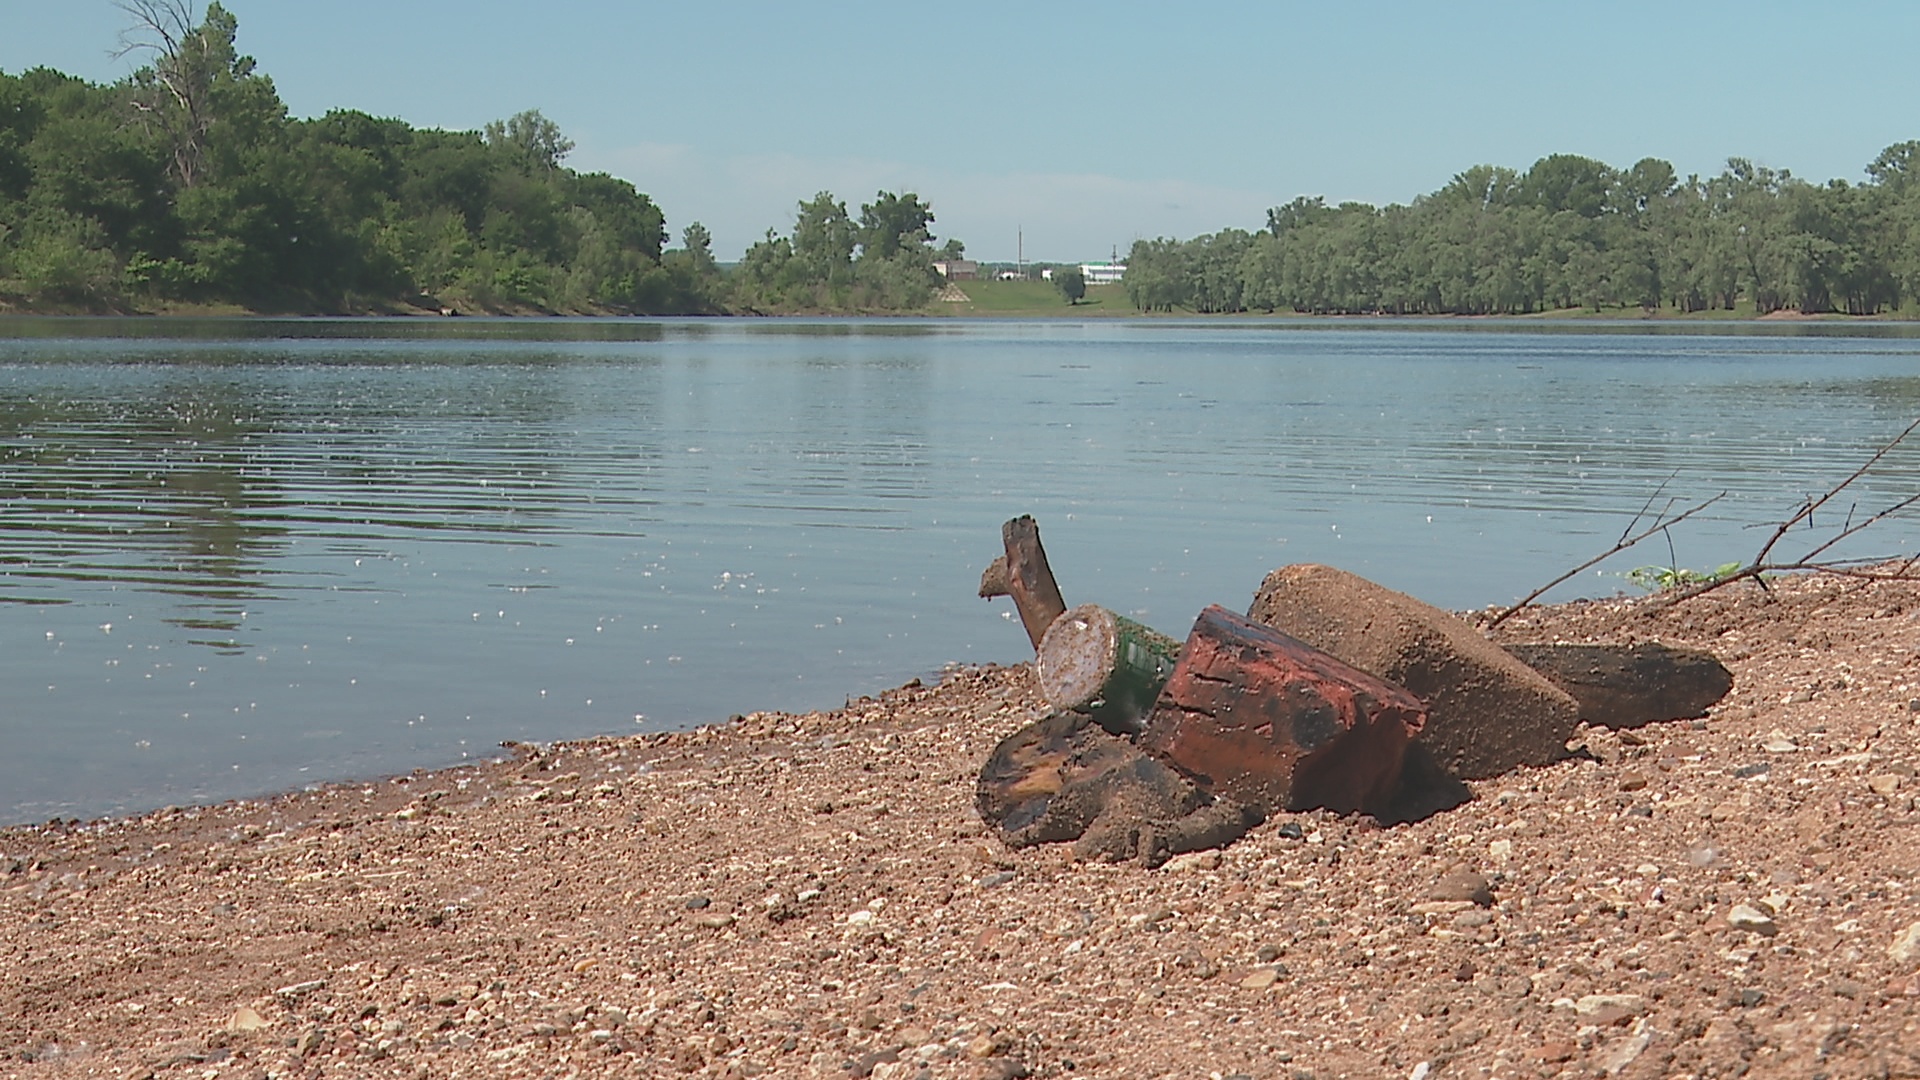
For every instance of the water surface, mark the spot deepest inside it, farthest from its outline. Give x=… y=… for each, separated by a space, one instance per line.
x=239 y=557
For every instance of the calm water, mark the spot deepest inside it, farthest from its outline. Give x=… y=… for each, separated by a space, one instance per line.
x=237 y=558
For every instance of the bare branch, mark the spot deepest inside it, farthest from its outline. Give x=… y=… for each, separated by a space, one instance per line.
x=1661 y=524
x=1805 y=513
x=167 y=21
x=1763 y=562
x=1762 y=565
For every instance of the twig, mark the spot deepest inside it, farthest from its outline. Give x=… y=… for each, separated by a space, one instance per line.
x=1660 y=524
x=1762 y=563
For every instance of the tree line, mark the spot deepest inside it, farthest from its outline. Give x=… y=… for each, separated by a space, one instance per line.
x=1570 y=232
x=188 y=183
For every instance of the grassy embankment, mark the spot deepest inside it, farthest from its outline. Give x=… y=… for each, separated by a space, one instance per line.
x=1033 y=298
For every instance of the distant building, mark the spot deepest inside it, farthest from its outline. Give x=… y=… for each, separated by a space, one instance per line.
x=957 y=269
x=1107 y=273
x=1011 y=275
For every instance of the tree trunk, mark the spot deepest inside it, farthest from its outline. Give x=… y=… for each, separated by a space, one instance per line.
x=1105 y=665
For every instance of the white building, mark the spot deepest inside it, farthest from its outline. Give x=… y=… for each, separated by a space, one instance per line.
x=1107 y=273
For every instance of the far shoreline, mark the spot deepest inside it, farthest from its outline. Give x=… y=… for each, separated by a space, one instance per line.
x=1082 y=313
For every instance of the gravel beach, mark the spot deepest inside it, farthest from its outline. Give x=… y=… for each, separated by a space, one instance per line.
x=815 y=896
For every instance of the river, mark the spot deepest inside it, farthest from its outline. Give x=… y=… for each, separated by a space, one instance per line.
x=240 y=557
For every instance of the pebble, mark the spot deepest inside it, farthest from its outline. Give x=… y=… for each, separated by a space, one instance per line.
x=996 y=879
x=1634 y=781
x=1193 y=860
x=1627 y=1051
x=986 y=1046
x=245 y=1018
x=1906 y=946
x=1603 y=1010
x=1462 y=885
x=1557 y=1051
x=1748 y=772
x=1884 y=783
x=1752 y=919
x=1260 y=979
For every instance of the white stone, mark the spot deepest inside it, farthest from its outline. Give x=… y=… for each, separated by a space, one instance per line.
x=1906 y=946
x=1752 y=919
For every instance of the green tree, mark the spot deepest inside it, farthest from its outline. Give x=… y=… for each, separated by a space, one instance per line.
x=530 y=138
x=891 y=223
x=823 y=241
x=1071 y=283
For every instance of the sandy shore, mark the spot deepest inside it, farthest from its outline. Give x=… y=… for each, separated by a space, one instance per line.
x=813 y=896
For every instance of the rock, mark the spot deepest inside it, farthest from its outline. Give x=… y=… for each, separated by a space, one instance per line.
x=1620 y=1055
x=1271 y=722
x=245 y=1018
x=1486 y=711
x=1555 y=1052
x=1604 y=1010
x=1260 y=979
x=1752 y=919
x=1462 y=885
x=1884 y=783
x=986 y=1046
x=1065 y=778
x=1906 y=945
x=1629 y=686
x=1194 y=860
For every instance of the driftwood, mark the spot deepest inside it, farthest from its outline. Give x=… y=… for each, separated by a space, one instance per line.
x=993 y=580
x=1064 y=778
x=1105 y=665
x=1628 y=686
x=1027 y=578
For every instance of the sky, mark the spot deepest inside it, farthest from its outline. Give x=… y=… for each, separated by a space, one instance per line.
x=1065 y=131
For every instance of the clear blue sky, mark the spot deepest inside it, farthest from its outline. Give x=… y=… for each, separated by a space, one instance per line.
x=1084 y=124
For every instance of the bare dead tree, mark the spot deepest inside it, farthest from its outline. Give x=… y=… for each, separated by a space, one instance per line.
x=1765 y=562
x=174 y=92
